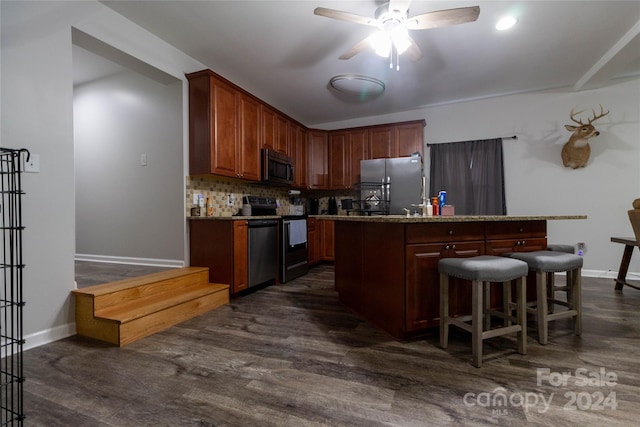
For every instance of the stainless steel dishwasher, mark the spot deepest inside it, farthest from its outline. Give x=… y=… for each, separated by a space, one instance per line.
x=263 y=251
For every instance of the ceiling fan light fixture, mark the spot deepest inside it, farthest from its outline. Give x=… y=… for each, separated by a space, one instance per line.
x=400 y=38
x=364 y=87
x=381 y=43
x=505 y=23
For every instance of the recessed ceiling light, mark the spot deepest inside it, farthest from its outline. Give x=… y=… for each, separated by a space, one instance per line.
x=506 y=23
x=364 y=87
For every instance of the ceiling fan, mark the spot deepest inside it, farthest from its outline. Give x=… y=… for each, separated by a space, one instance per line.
x=393 y=23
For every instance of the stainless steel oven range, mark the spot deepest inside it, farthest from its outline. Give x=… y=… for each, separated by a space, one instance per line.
x=293 y=248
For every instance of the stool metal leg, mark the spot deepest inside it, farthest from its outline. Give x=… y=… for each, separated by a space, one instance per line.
x=476 y=322
x=521 y=313
x=543 y=324
x=444 y=310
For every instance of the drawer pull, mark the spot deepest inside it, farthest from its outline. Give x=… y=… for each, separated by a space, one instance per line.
x=450 y=232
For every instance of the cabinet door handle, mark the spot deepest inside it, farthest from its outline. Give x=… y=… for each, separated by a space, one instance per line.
x=453 y=247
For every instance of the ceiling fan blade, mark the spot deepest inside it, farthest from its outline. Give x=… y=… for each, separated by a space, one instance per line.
x=345 y=16
x=413 y=51
x=362 y=45
x=401 y=6
x=443 y=18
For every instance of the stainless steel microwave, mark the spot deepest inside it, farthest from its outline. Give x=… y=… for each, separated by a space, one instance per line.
x=276 y=168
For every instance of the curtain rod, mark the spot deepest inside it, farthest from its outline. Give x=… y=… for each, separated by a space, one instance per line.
x=500 y=137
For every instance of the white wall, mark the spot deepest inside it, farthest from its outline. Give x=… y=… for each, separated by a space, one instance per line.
x=536 y=181
x=123 y=209
x=37 y=114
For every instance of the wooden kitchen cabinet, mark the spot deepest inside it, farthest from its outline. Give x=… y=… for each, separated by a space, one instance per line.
x=422 y=279
x=269 y=127
x=327 y=240
x=358 y=150
x=317 y=155
x=427 y=245
x=282 y=135
x=396 y=140
x=240 y=255
x=223 y=124
x=339 y=161
x=222 y=246
x=346 y=150
x=298 y=145
x=313 y=241
x=248 y=158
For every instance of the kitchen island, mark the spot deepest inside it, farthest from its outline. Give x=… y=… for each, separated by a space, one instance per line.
x=386 y=267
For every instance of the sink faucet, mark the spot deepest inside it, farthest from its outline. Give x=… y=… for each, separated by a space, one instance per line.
x=423 y=202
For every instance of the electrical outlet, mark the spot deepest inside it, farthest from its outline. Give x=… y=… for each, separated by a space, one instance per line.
x=196 y=199
x=581 y=248
x=231 y=200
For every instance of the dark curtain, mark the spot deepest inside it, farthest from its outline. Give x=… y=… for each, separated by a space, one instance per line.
x=472 y=174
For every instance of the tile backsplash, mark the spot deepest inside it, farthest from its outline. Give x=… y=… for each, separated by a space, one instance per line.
x=218 y=190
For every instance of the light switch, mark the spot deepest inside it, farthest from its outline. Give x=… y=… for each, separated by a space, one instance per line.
x=143 y=160
x=33 y=165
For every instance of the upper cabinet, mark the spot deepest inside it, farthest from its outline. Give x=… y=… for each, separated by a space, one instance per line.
x=223 y=129
x=396 y=140
x=317 y=155
x=298 y=152
x=248 y=144
x=228 y=127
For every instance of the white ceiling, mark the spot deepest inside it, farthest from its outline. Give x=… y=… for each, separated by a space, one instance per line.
x=284 y=54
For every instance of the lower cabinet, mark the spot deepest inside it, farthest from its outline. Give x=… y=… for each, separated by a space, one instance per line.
x=313 y=241
x=422 y=282
x=221 y=245
x=327 y=240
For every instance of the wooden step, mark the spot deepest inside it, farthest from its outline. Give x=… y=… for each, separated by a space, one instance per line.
x=126 y=310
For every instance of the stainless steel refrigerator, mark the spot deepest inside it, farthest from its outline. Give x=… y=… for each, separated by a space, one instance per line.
x=389 y=185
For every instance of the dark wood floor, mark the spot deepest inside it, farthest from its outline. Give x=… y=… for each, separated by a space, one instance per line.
x=90 y=273
x=291 y=355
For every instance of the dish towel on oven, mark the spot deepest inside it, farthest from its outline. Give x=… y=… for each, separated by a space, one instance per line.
x=297 y=231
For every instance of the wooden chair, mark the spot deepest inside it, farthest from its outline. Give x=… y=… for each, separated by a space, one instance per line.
x=634 y=217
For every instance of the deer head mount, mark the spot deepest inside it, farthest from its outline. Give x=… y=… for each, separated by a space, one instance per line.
x=576 y=152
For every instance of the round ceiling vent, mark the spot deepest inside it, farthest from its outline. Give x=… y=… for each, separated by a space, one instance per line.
x=357 y=86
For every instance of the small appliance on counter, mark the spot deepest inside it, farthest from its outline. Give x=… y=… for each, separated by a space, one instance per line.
x=333 y=206
x=313 y=206
x=258 y=206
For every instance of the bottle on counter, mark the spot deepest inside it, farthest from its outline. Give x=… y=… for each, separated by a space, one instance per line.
x=436 y=204
x=429 y=208
x=209 y=207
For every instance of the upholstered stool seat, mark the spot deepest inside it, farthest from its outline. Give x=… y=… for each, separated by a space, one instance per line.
x=482 y=270
x=557 y=247
x=543 y=263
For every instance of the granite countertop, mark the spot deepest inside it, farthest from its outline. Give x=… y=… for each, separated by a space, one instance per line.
x=402 y=218
x=453 y=218
x=234 y=218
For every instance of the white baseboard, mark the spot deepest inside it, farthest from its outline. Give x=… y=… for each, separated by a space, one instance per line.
x=154 y=262
x=48 y=336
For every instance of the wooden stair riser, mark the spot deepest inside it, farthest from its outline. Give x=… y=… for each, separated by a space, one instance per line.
x=127 y=310
x=161 y=320
x=174 y=285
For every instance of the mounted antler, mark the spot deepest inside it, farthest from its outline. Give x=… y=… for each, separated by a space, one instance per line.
x=576 y=152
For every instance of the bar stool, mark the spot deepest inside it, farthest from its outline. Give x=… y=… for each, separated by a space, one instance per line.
x=552 y=288
x=544 y=262
x=482 y=270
